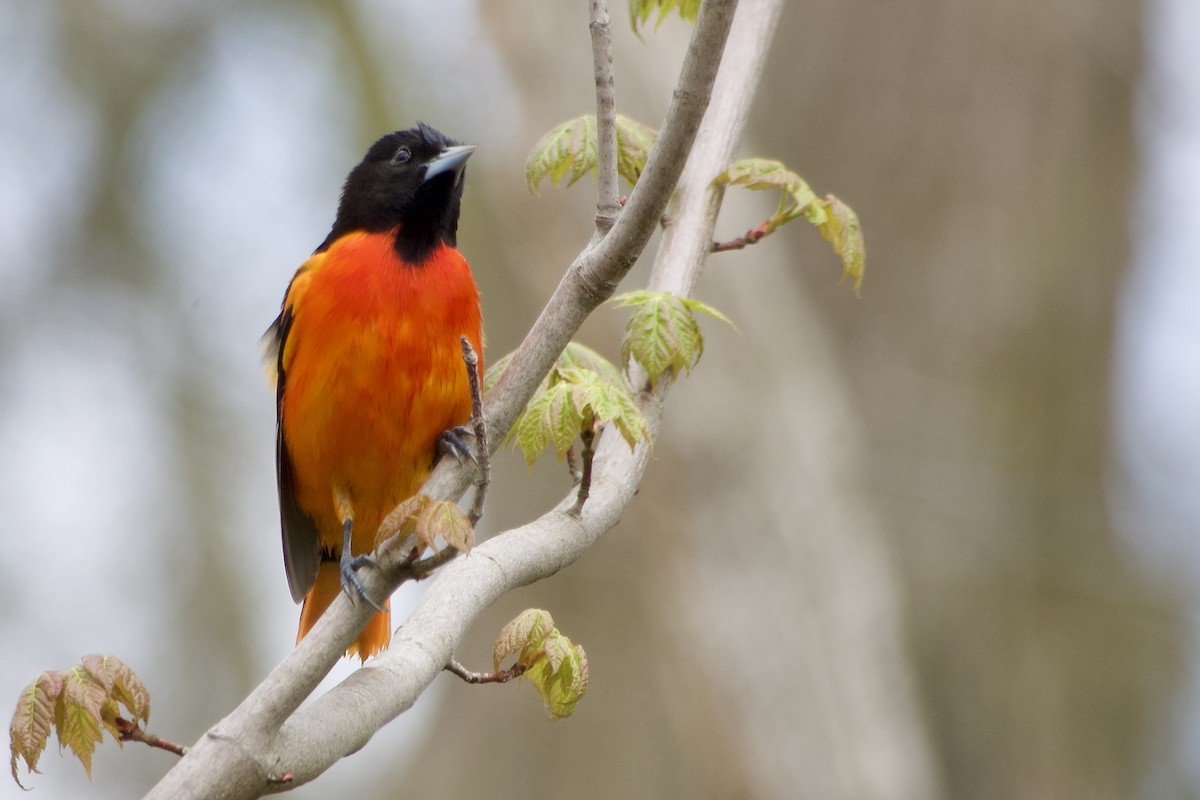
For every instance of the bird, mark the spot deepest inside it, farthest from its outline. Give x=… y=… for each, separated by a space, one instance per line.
x=369 y=374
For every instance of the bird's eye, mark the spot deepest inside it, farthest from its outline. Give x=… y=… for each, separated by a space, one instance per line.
x=402 y=156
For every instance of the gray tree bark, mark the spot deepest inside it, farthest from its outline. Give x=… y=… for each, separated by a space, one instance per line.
x=993 y=146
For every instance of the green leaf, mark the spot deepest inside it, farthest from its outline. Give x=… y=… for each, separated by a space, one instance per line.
x=121 y=686
x=523 y=635
x=80 y=725
x=705 y=308
x=566 y=153
x=762 y=173
x=402 y=519
x=627 y=417
x=33 y=720
x=550 y=417
x=494 y=371
x=578 y=356
x=560 y=675
x=662 y=334
x=640 y=10
x=835 y=221
x=607 y=403
x=555 y=666
x=582 y=390
x=634 y=143
x=571 y=149
x=445 y=519
x=575 y=355
x=78 y=705
x=842 y=230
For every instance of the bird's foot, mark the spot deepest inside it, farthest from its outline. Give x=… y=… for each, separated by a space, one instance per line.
x=352 y=585
x=451 y=442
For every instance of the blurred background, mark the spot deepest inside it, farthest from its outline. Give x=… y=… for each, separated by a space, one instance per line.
x=936 y=542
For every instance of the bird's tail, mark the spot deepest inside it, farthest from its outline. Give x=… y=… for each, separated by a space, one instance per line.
x=374 y=638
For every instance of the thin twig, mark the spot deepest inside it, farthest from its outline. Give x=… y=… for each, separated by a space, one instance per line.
x=573 y=464
x=607 y=191
x=423 y=568
x=585 y=480
x=134 y=733
x=752 y=236
x=482 y=451
x=503 y=676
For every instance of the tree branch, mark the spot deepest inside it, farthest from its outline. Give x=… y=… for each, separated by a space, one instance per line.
x=503 y=676
x=265 y=737
x=584 y=489
x=132 y=732
x=688 y=239
x=752 y=236
x=595 y=273
x=608 y=200
x=483 y=455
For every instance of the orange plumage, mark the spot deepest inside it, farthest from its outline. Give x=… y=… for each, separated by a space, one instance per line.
x=370 y=366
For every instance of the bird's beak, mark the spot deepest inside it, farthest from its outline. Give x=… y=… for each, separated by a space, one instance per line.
x=452 y=159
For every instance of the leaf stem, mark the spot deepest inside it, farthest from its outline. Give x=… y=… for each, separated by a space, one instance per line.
x=503 y=676
x=573 y=464
x=423 y=568
x=588 y=435
x=752 y=236
x=131 y=732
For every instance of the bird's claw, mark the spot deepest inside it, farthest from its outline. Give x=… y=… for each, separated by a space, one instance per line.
x=451 y=443
x=352 y=585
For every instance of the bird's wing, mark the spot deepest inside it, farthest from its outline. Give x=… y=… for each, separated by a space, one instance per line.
x=301 y=547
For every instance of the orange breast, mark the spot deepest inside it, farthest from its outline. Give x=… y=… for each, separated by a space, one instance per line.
x=374 y=374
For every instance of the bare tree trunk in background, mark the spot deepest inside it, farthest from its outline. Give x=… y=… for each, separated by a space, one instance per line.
x=744 y=621
x=992 y=143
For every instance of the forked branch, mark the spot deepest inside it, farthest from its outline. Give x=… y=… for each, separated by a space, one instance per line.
x=269 y=735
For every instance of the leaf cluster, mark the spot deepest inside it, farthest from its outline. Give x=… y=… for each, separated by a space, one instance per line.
x=640 y=10
x=834 y=220
x=428 y=520
x=77 y=706
x=662 y=334
x=583 y=392
x=571 y=149
x=550 y=661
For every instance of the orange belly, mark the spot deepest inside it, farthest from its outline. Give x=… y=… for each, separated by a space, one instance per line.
x=374 y=376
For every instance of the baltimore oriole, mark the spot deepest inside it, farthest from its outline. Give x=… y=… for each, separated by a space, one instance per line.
x=369 y=368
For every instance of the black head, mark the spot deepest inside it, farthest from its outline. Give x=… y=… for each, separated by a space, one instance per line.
x=410 y=181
